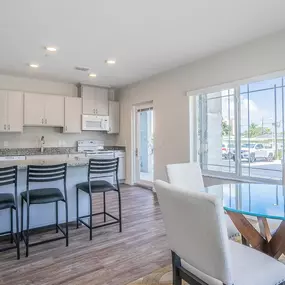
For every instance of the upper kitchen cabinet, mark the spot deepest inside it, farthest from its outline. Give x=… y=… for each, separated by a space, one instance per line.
x=95 y=100
x=43 y=110
x=114 y=117
x=11 y=111
x=72 y=115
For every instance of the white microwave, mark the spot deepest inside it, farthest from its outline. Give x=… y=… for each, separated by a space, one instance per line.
x=95 y=123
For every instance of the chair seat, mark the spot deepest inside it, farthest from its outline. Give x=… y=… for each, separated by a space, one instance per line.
x=96 y=186
x=250 y=267
x=43 y=195
x=7 y=201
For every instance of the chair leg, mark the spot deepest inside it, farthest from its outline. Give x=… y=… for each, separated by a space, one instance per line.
x=12 y=226
x=77 y=209
x=104 y=201
x=27 y=229
x=56 y=217
x=177 y=280
x=120 y=210
x=90 y=217
x=17 y=233
x=22 y=217
x=66 y=222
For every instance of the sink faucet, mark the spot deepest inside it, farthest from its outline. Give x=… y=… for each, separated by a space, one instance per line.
x=42 y=144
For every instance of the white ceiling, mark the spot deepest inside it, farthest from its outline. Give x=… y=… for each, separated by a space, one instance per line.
x=146 y=37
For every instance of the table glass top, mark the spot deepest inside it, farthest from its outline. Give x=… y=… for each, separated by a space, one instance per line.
x=260 y=200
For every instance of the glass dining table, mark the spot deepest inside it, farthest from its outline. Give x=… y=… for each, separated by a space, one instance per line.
x=248 y=204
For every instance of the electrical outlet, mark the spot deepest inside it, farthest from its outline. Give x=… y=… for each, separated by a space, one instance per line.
x=6 y=144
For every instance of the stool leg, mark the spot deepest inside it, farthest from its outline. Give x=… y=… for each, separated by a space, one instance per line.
x=17 y=233
x=104 y=201
x=22 y=217
x=120 y=210
x=77 y=209
x=56 y=217
x=12 y=226
x=27 y=229
x=90 y=216
x=66 y=222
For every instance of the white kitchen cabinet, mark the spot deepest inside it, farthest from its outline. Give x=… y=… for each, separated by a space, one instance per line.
x=54 y=110
x=43 y=110
x=72 y=115
x=122 y=164
x=95 y=100
x=114 y=117
x=11 y=111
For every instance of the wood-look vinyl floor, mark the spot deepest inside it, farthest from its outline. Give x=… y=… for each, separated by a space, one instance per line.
x=111 y=258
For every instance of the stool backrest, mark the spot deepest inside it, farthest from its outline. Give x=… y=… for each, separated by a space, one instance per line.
x=8 y=175
x=47 y=173
x=103 y=168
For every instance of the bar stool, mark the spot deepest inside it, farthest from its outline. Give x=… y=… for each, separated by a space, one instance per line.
x=42 y=174
x=8 y=176
x=99 y=169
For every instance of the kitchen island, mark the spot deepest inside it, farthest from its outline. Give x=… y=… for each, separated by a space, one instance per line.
x=44 y=214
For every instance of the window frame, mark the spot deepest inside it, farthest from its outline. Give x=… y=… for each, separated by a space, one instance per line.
x=195 y=157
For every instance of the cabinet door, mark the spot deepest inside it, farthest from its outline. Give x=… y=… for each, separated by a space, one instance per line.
x=88 y=96
x=122 y=169
x=3 y=111
x=34 y=109
x=114 y=117
x=72 y=115
x=54 y=111
x=15 y=111
x=101 y=101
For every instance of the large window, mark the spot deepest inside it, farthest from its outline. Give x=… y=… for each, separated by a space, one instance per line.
x=240 y=131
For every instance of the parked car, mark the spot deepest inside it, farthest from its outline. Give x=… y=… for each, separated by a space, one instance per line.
x=228 y=150
x=252 y=152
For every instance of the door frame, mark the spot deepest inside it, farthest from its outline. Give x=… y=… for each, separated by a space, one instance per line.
x=135 y=144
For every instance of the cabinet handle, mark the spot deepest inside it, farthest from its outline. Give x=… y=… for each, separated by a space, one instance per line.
x=9 y=127
x=4 y=127
x=46 y=121
x=42 y=121
x=65 y=128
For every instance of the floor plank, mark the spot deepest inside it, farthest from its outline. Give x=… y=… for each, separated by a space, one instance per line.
x=111 y=258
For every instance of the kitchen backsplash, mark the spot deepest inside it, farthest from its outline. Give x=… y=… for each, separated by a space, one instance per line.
x=54 y=137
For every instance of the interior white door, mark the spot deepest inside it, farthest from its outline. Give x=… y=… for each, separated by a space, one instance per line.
x=3 y=111
x=54 y=111
x=34 y=109
x=72 y=115
x=15 y=111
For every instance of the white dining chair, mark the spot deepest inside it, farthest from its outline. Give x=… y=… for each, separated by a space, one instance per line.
x=202 y=254
x=189 y=176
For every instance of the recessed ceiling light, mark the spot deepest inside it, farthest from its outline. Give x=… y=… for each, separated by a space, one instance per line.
x=51 y=49
x=92 y=75
x=34 y=65
x=110 y=61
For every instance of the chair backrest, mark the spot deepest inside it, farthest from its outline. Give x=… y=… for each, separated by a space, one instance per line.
x=8 y=175
x=196 y=229
x=185 y=175
x=103 y=168
x=46 y=173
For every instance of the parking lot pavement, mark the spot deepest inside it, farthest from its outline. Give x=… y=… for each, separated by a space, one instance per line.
x=263 y=169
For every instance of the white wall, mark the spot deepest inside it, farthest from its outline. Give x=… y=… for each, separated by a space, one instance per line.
x=171 y=106
x=53 y=136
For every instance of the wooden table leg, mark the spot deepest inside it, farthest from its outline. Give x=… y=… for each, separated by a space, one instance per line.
x=264 y=228
x=253 y=237
x=277 y=242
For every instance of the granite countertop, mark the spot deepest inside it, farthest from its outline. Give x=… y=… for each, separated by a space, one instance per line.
x=22 y=164
x=48 y=151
